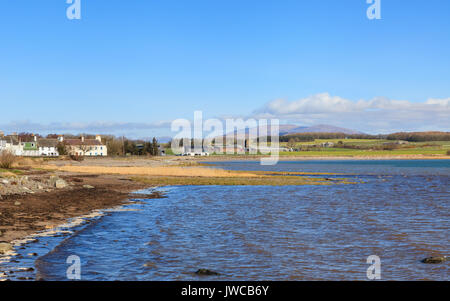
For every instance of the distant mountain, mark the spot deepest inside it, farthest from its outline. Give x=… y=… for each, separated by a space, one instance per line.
x=321 y=128
x=288 y=129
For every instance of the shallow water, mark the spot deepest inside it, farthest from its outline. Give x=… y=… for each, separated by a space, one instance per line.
x=400 y=213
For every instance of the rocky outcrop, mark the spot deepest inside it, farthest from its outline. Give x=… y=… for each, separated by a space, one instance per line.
x=57 y=182
x=206 y=272
x=431 y=260
x=14 y=184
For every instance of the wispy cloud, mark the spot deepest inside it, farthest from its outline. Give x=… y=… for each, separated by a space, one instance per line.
x=378 y=115
x=93 y=127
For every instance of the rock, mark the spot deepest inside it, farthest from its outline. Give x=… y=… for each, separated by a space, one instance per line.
x=5 y=247
x=32 y=254
x=88 y=187
x=4 y=181
x=17 y=203
x=60 y=184
x=205 y=272
x=57 y=182
x=40 y=187
x=23 y=180
x=434 y=259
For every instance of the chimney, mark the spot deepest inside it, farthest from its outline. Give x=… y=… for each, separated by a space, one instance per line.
x=98 y=138
x=82 y=139
x=34 y=138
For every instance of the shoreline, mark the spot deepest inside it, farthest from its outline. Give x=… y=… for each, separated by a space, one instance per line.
x=320 y=158
x=26 y=211
x=101 y=184
x=45 y=211
x=26 y=214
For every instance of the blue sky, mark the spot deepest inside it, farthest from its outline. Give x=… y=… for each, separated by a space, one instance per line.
x=133 y=66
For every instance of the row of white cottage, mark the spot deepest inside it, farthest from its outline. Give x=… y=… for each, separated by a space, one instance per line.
x=48 y=147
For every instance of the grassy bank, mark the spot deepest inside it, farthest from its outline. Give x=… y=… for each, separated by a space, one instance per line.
x=169 y=171
x=260 y=181
x=176 y=175
x=366 y=148
x=339 y=152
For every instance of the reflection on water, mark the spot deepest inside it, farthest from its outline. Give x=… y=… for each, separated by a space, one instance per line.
x=401 y=214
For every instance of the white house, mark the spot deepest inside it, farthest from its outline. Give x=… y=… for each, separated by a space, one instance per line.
x=2 y=144
x=11 y=143
x=85 y=147
x=48 y=147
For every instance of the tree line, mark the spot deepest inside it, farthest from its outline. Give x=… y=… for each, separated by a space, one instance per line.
x=308 y=137
x=121 y=146
x=420 y=136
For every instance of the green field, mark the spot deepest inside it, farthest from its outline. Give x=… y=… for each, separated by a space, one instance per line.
x=362 y=148
x=371 y=148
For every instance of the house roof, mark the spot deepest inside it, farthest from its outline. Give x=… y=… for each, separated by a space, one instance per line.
x=47 y=142
x=14 y=140
x=78 y=142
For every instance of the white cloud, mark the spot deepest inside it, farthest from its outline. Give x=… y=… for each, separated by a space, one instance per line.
x=378 y=115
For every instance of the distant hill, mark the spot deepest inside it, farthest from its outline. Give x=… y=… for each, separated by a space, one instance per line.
x=321 y=128
x=290 y=129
